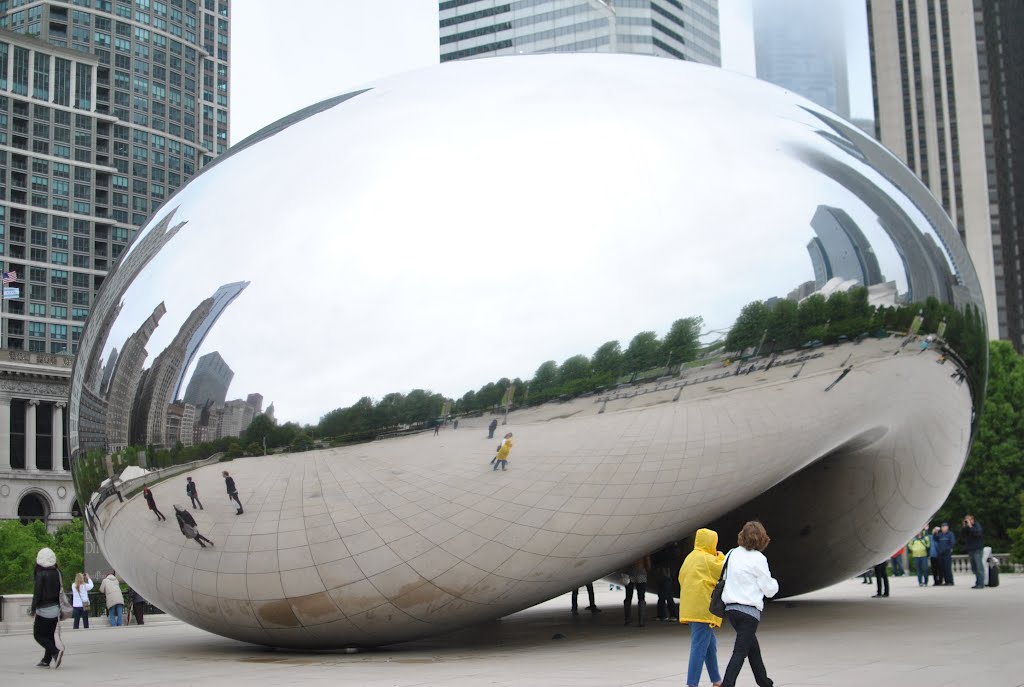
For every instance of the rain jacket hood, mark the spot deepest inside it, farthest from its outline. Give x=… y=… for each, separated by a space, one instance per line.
x=697 y=579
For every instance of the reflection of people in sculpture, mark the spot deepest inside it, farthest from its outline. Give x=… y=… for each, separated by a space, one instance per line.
x=229 y=482
x=148 y=495
x=190 y=489
x=437 y=429
x=187 y=525
x=502 y=457
x=590 y=594
x=491 y=427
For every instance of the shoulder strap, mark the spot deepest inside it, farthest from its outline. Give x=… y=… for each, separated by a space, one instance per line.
x=725 y=564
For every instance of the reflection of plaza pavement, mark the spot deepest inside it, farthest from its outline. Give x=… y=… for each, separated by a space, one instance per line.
x=410 y=536
x=955 y=637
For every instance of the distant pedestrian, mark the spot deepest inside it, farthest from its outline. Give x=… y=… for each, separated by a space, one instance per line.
x=590 y=594
x=229 y=482
x=187 y=525
x=637 y=581
x=45 y=607
x=881 y=580
x=868 y=577
x=455 y=425
x=933 y=557
x=918 y=548
x=748 y=582
x=698 y=576
x=503 y=451
x=193 y=493
x=148 y=495
x=944 y=542
x=974 y=543
x=138 y=607
x=437 y=429
x=80 y=599
x=111 y=589
x=665 y=571
x=491 y=427
x=897 y=563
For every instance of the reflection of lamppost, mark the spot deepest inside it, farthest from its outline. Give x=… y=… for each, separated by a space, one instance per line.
x=264 y=444
x=668 y=364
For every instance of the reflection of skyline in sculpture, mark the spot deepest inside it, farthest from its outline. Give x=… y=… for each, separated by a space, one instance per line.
x=948 y=267
x=841 y=249
x=210 y=381
x=124 y=381
x=85 y=396
x=222 y=298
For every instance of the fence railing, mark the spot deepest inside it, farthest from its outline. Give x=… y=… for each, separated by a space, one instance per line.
x=962 y=564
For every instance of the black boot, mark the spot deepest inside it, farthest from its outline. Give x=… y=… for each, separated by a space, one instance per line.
x=627 y=609
x=641 y=606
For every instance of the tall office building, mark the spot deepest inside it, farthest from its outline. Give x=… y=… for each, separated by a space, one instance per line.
x=107 y=107
x=948 y=102
x=210 y=381
x=801 y=46
x=683 y=29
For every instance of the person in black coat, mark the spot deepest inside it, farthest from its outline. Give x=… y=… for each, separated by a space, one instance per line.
x=138 y=607
x=46 y=607
x=148 y=495
x=187 y=525
x=193 y=493
x=229 y=482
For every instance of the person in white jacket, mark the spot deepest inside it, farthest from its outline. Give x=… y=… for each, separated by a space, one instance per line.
x=747 y=582
x=80 y=599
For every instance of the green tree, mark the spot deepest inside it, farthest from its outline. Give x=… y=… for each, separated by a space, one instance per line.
x=607 y=360
x=682 y=342
x=643 y=353
x=574 y=369
x=995 y=467
x=69 y=545
x=749 y=327
x=1017 y=534
x=813 y=312
x=18 y=547
x=784 y=325
x=545 y=377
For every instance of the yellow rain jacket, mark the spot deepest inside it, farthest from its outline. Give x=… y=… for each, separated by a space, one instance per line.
x=506 y=448
x=697 y=579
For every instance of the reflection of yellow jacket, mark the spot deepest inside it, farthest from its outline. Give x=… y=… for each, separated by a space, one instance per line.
x=697 y=579
x=506 y=448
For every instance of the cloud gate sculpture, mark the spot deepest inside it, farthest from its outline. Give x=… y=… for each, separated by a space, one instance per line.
x=445 y=228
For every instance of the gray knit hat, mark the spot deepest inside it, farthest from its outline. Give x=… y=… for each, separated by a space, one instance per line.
x=46 y=558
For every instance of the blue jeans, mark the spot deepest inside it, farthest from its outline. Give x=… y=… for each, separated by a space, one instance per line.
x=978 y=566
x=116 y=614
x=921 y=566
x=703 y=650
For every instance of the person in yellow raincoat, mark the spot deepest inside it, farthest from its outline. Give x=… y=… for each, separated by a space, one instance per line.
x=697 y=579
x=502 y=457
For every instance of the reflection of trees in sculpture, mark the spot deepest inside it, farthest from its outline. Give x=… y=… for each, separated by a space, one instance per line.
x=576 y=375
x=848 y=314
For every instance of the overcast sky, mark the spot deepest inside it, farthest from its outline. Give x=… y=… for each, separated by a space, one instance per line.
x=278 y=67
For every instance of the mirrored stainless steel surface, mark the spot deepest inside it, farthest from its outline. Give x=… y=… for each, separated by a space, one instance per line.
x=450 y=227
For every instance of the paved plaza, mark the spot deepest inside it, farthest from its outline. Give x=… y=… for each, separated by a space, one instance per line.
x=836 y=637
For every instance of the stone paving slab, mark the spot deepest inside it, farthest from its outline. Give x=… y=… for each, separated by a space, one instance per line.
x=837 y=637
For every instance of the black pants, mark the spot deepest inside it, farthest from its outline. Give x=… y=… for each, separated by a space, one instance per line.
x=79 y=613
x=159 y=515
x=882 y=578
x=936 y=570
x=641 y=601
x=43 y=630
x=234 y=496
x=666 y=604
x=946 y=559
x=200 y=539
x=590 y=593
x=746 y=647
x=139 y=609
x=196 y=502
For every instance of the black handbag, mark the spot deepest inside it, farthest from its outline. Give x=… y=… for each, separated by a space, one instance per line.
x=717 y=606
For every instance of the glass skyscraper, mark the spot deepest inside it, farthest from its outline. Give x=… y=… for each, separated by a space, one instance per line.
x=682 y=29
x=107 y=107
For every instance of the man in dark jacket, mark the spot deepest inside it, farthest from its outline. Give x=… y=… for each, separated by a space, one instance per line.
x=193 y=493
x=187 y=525
x=944 y=540
x=229 y=482
x=974 y=542
x=491 y=427
x=46 y=606
x=148 y=495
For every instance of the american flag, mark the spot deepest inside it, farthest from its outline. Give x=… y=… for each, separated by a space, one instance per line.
x=10 y=277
